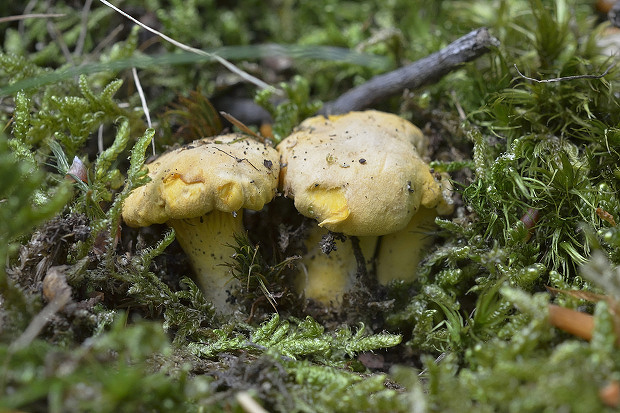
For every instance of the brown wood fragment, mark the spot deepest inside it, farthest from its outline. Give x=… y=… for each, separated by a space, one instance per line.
x=419 y=73
x=610 y=394
x=606 y=216
x=574 y=322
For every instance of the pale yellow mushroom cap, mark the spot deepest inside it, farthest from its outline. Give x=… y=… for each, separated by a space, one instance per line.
x=224 y=173
x=360 y=173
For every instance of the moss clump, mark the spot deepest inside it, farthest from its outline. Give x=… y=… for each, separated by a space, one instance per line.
x=535 y=167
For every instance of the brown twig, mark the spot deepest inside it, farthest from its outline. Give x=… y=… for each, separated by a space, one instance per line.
x=361 y=273
x=242 y=126
x=529 y=219
x=79 y=45
x=55 y=34
x=30 y=16
x=422 y=72
x=573 y=322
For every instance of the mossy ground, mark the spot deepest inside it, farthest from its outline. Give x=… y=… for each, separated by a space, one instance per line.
x=534 y=166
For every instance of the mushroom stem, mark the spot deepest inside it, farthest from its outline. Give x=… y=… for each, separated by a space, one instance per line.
x=401 y=251
x=326 y=277
x=206 y=241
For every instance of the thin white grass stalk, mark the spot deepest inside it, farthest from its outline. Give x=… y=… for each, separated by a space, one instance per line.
x=248 y=77
x=145 y=107
x=248 y=404
x=100 y=139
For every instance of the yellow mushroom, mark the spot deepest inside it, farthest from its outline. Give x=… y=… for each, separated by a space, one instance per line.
x=401 y=251
x=200 y=190
x=325 y=277
x=360 y=174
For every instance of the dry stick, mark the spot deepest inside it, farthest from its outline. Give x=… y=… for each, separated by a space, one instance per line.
x=30 y=16
x=57 y=36
x=361 y=273
x=107 y=40
x=571 y=321
x=79 y=45
x=242 y=126
x=417 y=74
x=58 y=292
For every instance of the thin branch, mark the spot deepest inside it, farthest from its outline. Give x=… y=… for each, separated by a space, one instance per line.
x=108 y=39
x=242 y=126
x=21 y=28
x=422 y=72
x=235 y=158
x=58 y=293
x=361 y=273
x=79 y=46
x=57 y=36
x=561 y=79
x=30 y=16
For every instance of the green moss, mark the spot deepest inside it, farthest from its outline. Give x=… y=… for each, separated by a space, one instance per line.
x=474 y=322
x=297 y=106
x=101 y=375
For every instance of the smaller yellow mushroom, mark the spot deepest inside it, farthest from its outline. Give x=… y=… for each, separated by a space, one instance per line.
x=200 y=190
x=324 y=277
x=360 y=174
x=402 y=251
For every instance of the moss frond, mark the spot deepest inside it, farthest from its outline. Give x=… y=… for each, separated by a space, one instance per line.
x=497 y=373
x=103 y=372
x=538 y=182
x=296 y=339
x=185 y=312
x=25 y=202
x=197 y=118
x=257 y=277
x=25 y=199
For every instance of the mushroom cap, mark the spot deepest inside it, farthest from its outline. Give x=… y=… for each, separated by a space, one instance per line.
x=360 y=173
x=225 y=173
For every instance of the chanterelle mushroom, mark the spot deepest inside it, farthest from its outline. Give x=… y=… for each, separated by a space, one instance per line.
x=200 y=190
x=360 y=174
x=324 y=277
